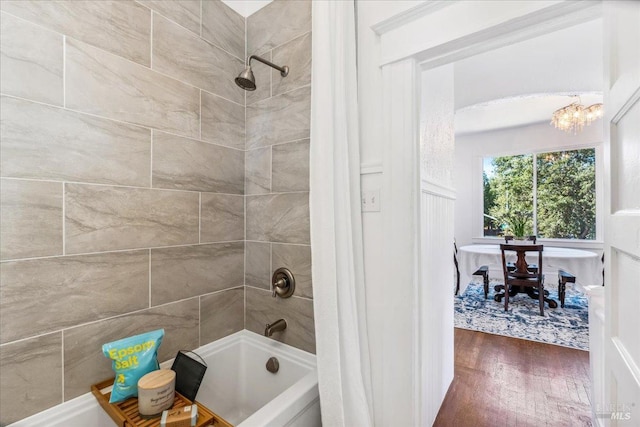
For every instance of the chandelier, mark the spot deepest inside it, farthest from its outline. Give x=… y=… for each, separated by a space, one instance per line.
x=574 y=116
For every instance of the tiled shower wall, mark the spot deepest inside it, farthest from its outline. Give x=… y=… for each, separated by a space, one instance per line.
x=277 y=171
x=122 y=193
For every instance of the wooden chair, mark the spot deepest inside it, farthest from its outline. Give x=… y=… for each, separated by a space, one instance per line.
x=484 y=272
x=564 y=278
x=511 y=266
x=522 y=277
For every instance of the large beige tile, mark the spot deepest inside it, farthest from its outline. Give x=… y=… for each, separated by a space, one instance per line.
x=42 y=142
x=290 y=171
x=296 y=258
x=257 y=272
x=48 y=294
x=188 y=271
x=277 y=23
x=261 y=308
x=282 y=118
x=257 y=164
x=187 y=164
x=30 y=377
x=222 y=121
x=31 y=64
x=184 y=12
x=221 y=314
x=280 y=218
x=31 y=219
x=223 y=27
x=104 y=84
x=120 y=27
x=297 y=55
x=103 y=218
x=186 y=57
x=84 y=362
x=221 y=217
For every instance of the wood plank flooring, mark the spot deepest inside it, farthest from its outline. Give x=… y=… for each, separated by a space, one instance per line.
x=502 y=381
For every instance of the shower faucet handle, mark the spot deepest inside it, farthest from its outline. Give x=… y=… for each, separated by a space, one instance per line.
x=283 y=283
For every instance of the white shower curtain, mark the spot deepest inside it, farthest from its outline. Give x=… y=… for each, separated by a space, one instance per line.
x=336 y=223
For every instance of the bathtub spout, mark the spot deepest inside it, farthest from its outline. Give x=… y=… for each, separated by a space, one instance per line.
x=278 y=325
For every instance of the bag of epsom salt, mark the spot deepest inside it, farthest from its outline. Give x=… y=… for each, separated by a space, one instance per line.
x=132 y=358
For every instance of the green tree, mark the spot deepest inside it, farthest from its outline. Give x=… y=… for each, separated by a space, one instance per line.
x=489 y=203
x=512 y=184
x=565 y=205
x=567 y=194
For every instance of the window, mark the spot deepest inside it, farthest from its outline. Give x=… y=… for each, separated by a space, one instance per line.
x=552 y=194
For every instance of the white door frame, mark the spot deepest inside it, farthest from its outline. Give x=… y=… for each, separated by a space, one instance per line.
x=412 y=40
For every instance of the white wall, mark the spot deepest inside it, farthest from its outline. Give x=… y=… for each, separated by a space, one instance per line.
x=471 y=148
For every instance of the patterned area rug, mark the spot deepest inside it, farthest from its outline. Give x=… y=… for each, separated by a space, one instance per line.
x=568 y=326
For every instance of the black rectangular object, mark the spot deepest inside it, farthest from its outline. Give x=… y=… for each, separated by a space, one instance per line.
x=189 y=374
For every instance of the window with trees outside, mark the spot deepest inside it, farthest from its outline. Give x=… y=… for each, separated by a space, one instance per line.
x=550 y=195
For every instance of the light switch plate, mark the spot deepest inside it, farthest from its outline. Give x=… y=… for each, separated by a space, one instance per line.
x=371 y=201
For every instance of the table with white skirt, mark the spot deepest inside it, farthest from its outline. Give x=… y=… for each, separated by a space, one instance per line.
x=585 y=265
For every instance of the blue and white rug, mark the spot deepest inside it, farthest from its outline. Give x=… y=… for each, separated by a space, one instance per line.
x=568 y=326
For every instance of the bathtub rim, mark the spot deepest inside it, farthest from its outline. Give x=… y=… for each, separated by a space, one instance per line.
x=306 y=387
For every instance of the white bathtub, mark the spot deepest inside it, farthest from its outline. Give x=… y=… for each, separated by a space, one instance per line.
x=237 y=387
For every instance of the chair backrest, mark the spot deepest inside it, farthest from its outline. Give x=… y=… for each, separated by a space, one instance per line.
x=533 y=239
x=521 y=271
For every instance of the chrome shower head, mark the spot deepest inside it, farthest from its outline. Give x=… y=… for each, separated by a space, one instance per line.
x=247 y=81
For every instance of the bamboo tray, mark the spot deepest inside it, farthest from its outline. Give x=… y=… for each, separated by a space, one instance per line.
x=125 y=414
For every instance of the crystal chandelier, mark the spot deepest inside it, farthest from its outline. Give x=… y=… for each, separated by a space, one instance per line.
x=574 y=116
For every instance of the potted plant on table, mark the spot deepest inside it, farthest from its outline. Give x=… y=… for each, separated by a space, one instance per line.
x=518 y=224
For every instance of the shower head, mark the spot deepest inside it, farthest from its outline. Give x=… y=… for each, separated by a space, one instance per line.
x=247 y=81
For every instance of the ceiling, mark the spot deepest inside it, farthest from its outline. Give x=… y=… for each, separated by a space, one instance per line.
x=526 y=82
x=517 y=111
x=246 y=7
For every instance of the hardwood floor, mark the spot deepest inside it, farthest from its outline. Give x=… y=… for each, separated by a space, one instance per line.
x=502 y=381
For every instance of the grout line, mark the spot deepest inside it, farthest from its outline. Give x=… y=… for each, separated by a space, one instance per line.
x=112 y=251
x=282 y=94
x=64 y=71
x=269 y=291
x=151 y=160
x=62 y=357
x=271 y=169
x=149 y=277
x=200 y=217
x=290 y=142
x=97 y=184
x=270 y=264
x=277 y=193
x=200 y=117
x=280 y=243
x=64 y=221
x=291 y=39
x=151 y=40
